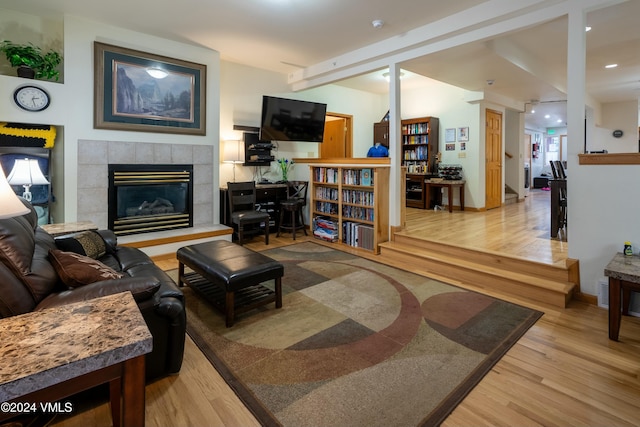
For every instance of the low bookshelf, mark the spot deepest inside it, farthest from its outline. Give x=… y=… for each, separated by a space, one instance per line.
x=348 y=204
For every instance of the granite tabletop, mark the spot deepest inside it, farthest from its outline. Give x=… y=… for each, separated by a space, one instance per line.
x=68 y=227
x=624 y=267
x=40 y=349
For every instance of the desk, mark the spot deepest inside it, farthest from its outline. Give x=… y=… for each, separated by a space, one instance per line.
x=624 y=277
x=450 y=184
x=268 y=197
x=98 y=341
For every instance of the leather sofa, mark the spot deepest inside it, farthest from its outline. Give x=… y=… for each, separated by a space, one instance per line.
x=29 y=281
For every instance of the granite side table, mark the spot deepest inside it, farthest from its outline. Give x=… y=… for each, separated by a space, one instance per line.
x=68 y=227
x=54 y=353
x=624 y=277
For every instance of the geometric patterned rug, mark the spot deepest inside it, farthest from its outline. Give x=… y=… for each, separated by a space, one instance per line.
x=356 y=343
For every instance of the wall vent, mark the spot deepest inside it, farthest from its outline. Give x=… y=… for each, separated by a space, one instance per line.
x=603 y=293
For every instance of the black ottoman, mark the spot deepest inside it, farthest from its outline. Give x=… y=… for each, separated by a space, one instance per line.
x=229 y=276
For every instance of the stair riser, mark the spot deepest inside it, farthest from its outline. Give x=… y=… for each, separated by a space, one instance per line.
x=531 y=268
x=479 y=278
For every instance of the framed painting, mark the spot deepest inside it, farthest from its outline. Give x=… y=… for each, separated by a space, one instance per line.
x=463 y=134
x=138 y=91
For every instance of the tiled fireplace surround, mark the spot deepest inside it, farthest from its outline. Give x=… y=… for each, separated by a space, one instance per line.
x=95 y=156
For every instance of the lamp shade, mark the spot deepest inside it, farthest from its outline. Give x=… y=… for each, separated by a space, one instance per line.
x=10 y=204
x=233 y=151
x=26 y=172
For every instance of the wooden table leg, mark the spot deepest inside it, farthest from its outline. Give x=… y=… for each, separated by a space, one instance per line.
x=180 y=274
x=133 y=392
x=461 y=197
x=450 y=196
x=229 y=309
x=614 y=308
x=115 y=400
x=279 y=292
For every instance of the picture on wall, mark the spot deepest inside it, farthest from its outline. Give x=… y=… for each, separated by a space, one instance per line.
x=463 y=134
x=450 y=147
x=140 y=91
x=450 y=135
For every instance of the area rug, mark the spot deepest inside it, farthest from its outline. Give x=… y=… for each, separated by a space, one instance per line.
x=356 y=343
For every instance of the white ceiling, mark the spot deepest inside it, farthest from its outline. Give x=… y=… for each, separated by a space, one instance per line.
x=286 y=35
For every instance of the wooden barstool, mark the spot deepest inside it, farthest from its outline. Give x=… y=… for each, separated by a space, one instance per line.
x=294 y=205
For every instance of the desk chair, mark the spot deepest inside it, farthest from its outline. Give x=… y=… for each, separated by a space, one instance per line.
x=242 y=209
x=559 y=174
x=294 y=205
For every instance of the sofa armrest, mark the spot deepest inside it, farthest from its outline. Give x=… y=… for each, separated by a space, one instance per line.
x=142 y=288
x=110 y=240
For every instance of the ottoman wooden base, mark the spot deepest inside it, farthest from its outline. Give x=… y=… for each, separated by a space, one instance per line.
x=229 y=276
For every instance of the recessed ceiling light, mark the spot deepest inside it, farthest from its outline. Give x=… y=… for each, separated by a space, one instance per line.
x=587 y=28
x=377 y=23
x=533 y=111
x=611 y=66
x=547 y=116
x=559 y=120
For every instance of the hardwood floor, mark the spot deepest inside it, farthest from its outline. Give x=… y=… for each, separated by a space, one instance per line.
x=563 y=371
x=519 y=229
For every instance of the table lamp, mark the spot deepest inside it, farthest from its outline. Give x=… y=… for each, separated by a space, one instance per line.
x=10 y=205
x=26 y=172
x=233 y=153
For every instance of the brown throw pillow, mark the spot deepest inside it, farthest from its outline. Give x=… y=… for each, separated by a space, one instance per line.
x=78 y=270
x=88 y=243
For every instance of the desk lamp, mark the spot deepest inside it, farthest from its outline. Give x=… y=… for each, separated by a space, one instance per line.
x=233 y=153
x=10 y=205
x=26 y=172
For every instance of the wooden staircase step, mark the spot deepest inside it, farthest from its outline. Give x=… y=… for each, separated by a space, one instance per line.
x=565 y=272
x=493 y=272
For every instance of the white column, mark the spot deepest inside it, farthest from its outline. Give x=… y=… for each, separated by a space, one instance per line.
x=395 y=145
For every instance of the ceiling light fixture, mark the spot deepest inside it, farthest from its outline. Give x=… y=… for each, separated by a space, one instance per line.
x=587 y=28
x=387 y=75
x=611 y=66
x=377 y=23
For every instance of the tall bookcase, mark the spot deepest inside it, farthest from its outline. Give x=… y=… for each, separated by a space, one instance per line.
x=419 y=149
x=352 y=199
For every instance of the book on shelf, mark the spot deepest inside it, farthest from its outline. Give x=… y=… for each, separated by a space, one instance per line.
x=366 y=177
x=325 y=229
x=358 y=235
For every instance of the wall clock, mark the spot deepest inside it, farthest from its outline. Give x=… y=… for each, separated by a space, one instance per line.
x=31 y=98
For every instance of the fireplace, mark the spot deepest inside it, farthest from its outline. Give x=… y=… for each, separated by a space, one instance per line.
x=147 y=198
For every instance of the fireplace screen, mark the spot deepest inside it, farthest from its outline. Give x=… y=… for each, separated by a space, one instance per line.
x=146 y=198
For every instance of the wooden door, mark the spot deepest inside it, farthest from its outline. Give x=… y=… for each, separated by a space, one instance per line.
x=336 y=143
x=527 y=157
x=493 y=160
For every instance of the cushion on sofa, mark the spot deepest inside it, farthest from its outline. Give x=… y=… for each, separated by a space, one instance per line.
x=89 y=243
x=77 y=270
x=24 y=252
x=142 y=289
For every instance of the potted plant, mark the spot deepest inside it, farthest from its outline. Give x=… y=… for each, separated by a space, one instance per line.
x=31 y=60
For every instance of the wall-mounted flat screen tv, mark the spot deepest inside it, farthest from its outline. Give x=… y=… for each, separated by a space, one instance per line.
x=292 y=120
